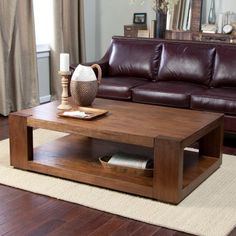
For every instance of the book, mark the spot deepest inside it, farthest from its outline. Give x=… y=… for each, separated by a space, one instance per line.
x=186 y=15
x=169 y=20
x=182 y=11
x=175 y=16
x=131 y=160
x=153 y=29
x=189 y=15
x=179 y=14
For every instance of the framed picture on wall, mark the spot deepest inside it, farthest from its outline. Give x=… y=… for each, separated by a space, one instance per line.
x=140 y=18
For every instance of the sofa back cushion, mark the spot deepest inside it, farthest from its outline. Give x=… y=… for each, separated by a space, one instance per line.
x=136 y=58
x=225 y=67
x=190 y=62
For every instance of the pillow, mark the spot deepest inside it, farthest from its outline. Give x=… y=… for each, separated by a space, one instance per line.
x=187 y=62
x=135 y=58
x=225 y=67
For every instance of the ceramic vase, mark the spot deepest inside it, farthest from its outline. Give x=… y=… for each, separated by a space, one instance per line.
x=160 y=24
x=212 y=13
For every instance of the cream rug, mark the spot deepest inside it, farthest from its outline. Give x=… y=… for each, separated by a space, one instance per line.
x=209 y=210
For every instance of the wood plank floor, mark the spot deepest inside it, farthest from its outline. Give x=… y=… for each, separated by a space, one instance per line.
x=24 y=213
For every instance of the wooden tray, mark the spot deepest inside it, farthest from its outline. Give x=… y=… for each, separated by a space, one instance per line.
x=141 y=172
x=92 y=113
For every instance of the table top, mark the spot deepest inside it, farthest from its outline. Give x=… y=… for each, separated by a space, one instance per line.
x=127 y=121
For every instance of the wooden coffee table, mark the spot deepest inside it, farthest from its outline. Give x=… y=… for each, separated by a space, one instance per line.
x=161 y=132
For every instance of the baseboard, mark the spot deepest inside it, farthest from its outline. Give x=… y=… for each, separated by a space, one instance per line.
x=45 y=99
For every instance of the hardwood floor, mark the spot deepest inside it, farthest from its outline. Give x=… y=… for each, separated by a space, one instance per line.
x=24 y=213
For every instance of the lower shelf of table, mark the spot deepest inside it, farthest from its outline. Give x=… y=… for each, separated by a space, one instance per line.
x=76 y=158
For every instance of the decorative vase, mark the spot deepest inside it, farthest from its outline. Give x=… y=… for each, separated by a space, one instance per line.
x=84 y=92
x=160 y=24
x=212 y=13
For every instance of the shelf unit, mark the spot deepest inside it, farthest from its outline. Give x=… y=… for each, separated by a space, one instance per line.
x=195 y=33
x=224 y=38
x=77 y=158
x=195 y=25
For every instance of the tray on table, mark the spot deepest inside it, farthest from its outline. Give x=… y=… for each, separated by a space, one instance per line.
x=92 y=113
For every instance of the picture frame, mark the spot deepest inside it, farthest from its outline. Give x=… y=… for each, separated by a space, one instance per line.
x=140 y=18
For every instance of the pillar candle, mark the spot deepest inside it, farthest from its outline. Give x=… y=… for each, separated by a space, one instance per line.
x=64 y=62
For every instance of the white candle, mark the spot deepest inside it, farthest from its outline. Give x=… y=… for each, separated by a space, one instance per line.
x=64 y=62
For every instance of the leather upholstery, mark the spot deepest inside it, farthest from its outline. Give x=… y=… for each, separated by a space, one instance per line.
x=135 y=58
x=167 y=93
x=215 y=99
x=118 y=87
x=187 y=74
x=229 y=123
x=225 y=67
x=186 y=62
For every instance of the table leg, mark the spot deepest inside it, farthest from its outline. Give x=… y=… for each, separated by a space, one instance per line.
x=212 y=143
x=21 y=141
x=168 y=170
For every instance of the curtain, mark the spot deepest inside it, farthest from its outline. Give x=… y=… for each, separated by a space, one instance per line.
x=68 y=38
x=18 y=68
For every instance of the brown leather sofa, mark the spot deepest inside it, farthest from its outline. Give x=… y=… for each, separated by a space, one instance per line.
x=183 y=74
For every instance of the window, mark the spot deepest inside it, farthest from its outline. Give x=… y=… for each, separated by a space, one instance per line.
x=43 y=16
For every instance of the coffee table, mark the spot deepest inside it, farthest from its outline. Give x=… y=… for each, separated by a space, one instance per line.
x=162 y=132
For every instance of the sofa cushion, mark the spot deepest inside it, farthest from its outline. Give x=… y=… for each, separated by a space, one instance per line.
x=167 y=93
x=137 y=58
x=187 y=62
x=221 y=100
x=118 y=87
x=224 y=70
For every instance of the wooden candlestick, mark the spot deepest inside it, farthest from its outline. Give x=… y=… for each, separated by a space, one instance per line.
x=64 y=97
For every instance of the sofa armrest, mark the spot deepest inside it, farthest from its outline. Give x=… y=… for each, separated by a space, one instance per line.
x=103 y=63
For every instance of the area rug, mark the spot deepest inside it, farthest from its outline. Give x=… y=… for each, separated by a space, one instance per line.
x=209 y=210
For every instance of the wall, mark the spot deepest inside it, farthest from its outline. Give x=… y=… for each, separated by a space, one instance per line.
x=228 y=5
x=114 y=15
x=90 y=15
x=105 y=18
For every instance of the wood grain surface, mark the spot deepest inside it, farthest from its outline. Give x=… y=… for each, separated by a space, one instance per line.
x=162 y=132
x=47 y=216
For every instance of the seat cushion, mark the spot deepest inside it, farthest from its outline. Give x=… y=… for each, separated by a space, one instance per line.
x=186 y=62
x=118 y=87
x=169 y=93
x=221 y=100
x=139 y=58
x=224 y=70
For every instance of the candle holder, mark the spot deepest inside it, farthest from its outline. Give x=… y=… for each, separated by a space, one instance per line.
x=64 y=96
